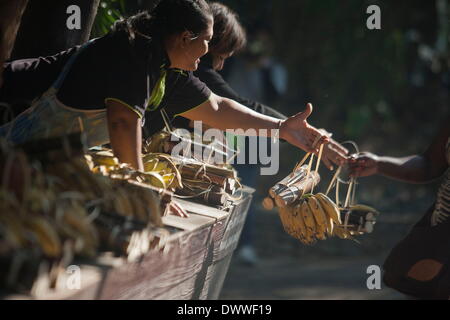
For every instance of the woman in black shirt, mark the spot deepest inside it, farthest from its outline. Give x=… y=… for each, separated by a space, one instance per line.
x=146 y=63
x=230 y=37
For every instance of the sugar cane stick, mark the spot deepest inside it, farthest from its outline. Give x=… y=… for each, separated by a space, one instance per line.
x=292 y=178
x=296 y=190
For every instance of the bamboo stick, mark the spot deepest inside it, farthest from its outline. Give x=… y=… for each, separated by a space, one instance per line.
x=292 y=178
x=190 y=173
x=209 y=198
x=296 y=190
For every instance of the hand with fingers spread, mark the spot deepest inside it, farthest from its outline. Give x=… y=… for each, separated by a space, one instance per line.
x=298 y=132
x=364 y=164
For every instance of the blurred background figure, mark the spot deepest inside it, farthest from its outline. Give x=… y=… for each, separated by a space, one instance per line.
x=257 y=75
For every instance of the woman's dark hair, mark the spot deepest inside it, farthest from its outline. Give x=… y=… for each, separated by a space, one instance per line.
x=167 y=18
x=229 y=35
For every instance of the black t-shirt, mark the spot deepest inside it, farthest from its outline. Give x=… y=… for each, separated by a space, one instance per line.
x=219 y=86
x=108 y=68
x=216 y=84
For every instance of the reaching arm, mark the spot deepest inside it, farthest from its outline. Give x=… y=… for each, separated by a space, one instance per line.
x=420 y=168
x=223 y=113
x=333 y=153
x=125 y=134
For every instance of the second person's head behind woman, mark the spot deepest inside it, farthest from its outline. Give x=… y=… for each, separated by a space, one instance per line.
x=229 y=35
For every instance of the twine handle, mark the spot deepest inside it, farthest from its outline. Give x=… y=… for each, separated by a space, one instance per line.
x=349 y=192
x=333 y=180
x=319 y=158
x=302 y=161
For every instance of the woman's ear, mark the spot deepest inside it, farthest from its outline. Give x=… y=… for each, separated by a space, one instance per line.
x=186 y=38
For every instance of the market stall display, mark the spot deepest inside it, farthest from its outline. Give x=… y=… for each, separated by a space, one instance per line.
x=61 y=204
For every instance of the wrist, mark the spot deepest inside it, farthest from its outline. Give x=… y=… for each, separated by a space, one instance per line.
x=380 y=165
x=281 y=130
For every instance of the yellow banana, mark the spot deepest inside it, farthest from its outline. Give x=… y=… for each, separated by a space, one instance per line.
x=139 y=209
x=152 y=206
x=304 y=234
x=105 y=158
x=157 y=142
x=319 y=216
x=286 y=218
x=155 y=180
x=364 y=208
x=150 y=165
x=46 y=236
x=330 y=208
x=13 y=230
x=161 y=166
x=122 y=205
x=340 y=232
x=308 y=217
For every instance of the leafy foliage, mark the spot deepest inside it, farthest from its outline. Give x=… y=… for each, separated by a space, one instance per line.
x=108 y=12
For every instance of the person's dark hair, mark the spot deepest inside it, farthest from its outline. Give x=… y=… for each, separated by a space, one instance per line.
x=167 y=18
x=229 y=35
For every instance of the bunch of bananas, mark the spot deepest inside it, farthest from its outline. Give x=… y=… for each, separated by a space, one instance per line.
x=65 y=210
x=155 y=144
x=134 y=202
x=162 y=171
x=159 y=169
x=315 y=217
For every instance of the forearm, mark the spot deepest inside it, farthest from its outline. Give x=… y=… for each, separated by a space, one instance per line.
x=412 y=169
x=229 y=114
x=126 y=139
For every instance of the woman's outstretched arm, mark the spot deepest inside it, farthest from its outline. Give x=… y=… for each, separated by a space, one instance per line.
x=223 y=114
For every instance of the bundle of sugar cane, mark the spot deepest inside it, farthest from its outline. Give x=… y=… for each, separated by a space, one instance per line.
x=208 y=197
x=202 y=173
x=211 y=153
x=300 y=181
x=189 y=146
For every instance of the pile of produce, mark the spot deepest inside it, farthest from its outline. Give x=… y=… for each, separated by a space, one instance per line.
x=58 y=205
x=203 y=181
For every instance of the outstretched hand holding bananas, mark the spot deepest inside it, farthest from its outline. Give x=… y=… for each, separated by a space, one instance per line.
x=310 y=217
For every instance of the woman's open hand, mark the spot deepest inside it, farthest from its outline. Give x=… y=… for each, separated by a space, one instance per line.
x=298 y=132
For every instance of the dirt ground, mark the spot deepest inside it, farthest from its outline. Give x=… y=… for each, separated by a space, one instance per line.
x=331 y=269
x=296 y=279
